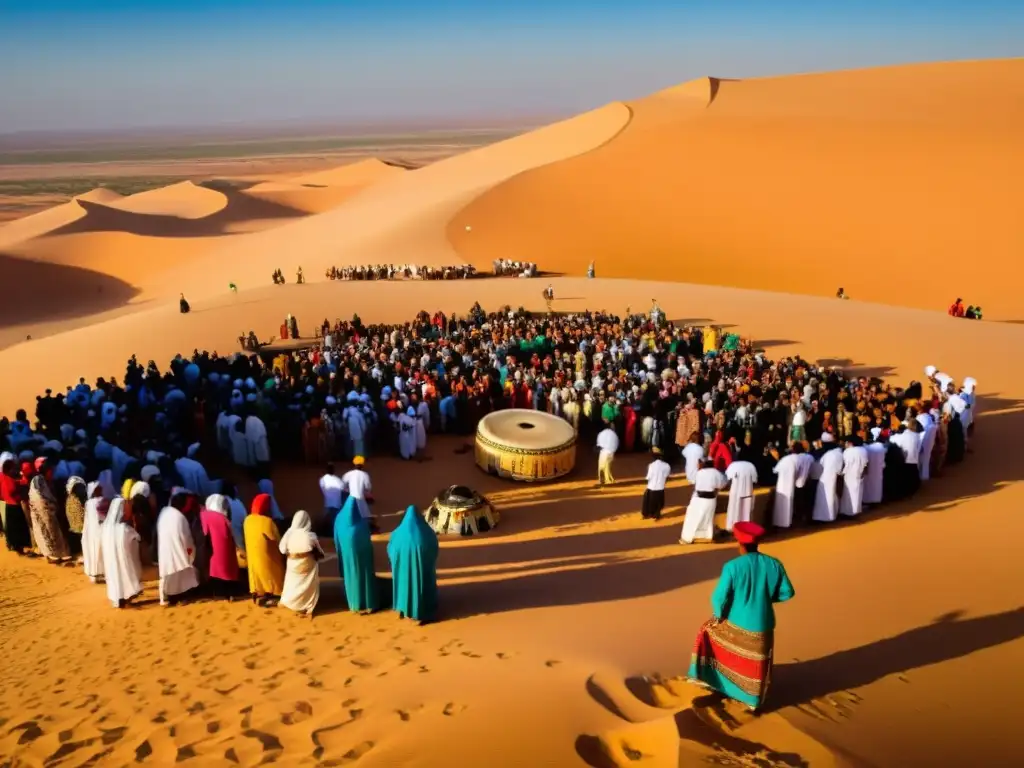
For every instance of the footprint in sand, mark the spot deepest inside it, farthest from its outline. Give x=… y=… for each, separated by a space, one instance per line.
x=552 y=663
x=269 y=741
x=231 y=756
x=186 y=752
x=361 y=664
x=471 y=655
x=303 y=711
x=451 y=709
x=143 y=751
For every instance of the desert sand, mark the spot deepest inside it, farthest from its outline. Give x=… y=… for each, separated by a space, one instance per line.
x=563 y=629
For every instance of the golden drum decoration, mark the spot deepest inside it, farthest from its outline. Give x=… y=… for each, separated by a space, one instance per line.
x=521 y=444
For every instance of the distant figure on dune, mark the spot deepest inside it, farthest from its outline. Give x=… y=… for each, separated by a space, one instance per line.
x=549 y=295
x=733 y=652
x=299 y=278
x=956 y=309
x=841 y=294
x=590 y=271
x=278 y=277
x=232 y=287
x=184 y=305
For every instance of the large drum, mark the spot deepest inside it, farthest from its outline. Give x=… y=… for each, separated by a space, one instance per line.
x=521 y=444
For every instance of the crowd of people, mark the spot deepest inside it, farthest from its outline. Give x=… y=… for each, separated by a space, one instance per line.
x=514 y=268
x=970 y=312
x=707 y=402
x=402 y=272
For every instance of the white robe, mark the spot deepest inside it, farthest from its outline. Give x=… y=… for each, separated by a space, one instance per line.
x=927 y=445
x=357 y=484
x=301 y=590
x=256 y=437
x=121 y=562
x=422 y=425
x=855 y=465
x=106 y=481
x=874 y=482
x=700 y=513
x=92 y=541
x=804 y=465
x=406 y=436
x=826 y=500
x=742 y=475
x=785 y=491
x=692 y=454
x=194 y=477
x=176 y=551
x=239 y=445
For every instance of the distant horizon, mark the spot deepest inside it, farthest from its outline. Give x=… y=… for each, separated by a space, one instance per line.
x=186 y=65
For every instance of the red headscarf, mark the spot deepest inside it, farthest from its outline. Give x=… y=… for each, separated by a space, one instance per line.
x=719 y=452
x=261 y=505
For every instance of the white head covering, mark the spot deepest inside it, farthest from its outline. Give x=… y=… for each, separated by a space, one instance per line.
x=7 y=456
x=218 y=503
x=90 y=489
x=930 y=370
x=299 y=538
x=875 y=432
x=193 y=450
x=115 y=515
x=139 y=489
x=826 y=437
x=72 y=482
x=969 y=384
x=148 y=472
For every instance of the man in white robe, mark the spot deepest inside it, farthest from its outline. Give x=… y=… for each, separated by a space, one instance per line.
x=693 y=453
x=929 y=431
x=803 y=499
x=826 y=498
x=700 y=513
x=239 y=445
x=608 y=446
x=356 y=483
x=177 y=552
x=855 y=467
x=741 y=476
x=422 y=425
x=256 y=437
x=874 y=481
x=785 y=490
x=193 y=474
x=407 y=433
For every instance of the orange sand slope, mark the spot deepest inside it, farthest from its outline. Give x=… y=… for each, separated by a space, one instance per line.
x=323 y=190
x=904 y=645
x=402 y=217
x=802 y=184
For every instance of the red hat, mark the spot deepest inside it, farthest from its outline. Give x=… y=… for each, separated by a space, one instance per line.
x=748 y=533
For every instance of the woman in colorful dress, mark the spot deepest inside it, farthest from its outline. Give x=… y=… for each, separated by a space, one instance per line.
x=43 y=508
x=733 y=652
x=266 y=565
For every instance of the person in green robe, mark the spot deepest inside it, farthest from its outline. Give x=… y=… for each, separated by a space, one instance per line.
x=733 y=652
x=355 y=552
x=413 y=554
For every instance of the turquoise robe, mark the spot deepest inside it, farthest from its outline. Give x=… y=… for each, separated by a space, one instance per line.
x=747 y=590
x=413 y=554
x=355 y=552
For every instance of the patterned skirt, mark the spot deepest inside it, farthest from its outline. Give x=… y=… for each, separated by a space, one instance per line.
x=733 y=661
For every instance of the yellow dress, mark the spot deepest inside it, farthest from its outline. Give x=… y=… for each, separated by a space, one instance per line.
x=126 y=488
x=266 y=565
x=710 y=339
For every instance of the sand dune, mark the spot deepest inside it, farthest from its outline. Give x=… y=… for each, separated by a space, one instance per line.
x=39 y=224
x=363 y=172
x=831 y=175
x=401 y=218
x=183 y=200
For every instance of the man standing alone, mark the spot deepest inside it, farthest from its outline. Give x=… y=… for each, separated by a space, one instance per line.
x=608 y=443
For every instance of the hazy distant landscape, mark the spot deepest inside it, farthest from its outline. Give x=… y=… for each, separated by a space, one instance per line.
x=54 y=168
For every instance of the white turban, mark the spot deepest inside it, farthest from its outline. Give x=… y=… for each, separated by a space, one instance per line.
x=139 y=489
x=826 y=437
x=148 y=472
x=929 y=370
x=876 y=432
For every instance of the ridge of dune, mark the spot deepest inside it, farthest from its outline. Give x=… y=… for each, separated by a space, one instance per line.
x=184 y=199
x=100 y=195
x=324 y=190
x=402 y=218
x=360 y=172
x=39 y=224
x=831 y=174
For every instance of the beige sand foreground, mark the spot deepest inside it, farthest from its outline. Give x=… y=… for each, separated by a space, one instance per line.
x=563 y=628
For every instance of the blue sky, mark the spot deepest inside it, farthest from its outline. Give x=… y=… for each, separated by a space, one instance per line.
x=96 y=64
